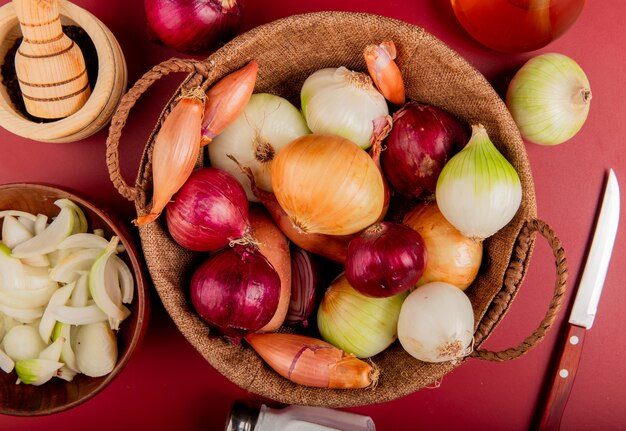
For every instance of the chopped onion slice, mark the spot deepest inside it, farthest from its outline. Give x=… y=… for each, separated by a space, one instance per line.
x=67 y=352
x=6 y=363
x=40 y=223
x=11 y=270
x=98 y=279
x=36 y=371
x=83 y=240
x=80 y=221
x=27 y=298
x=67 y=269
x=14 y=232
x=79 y=315
x=53 y=351
x=58 y=298
x=24 y=315
x=126 y=280
x=48 y=240
x=80 y=295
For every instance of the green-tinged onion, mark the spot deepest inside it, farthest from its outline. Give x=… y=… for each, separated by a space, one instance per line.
x=342 y=102
x=549 y=99
x=53 y=351
x=436 y=323
x=68 y=357
x=478 y=190
x=48 y=320
x=355 y=323
x=266 y=125
x=36 y=371
x=96 y=349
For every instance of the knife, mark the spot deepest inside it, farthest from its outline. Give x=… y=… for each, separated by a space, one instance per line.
x=584 y=309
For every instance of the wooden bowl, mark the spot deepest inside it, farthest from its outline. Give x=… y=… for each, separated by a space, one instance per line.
x=57 y=395
x=105 y=96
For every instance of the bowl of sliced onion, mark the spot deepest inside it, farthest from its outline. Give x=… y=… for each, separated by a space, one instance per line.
x=73 y=299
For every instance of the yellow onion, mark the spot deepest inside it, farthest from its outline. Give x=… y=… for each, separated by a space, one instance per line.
x=355 y=323
x=452 y=257
x=327 y=184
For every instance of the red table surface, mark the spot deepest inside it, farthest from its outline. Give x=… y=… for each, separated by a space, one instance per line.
x=168 y=385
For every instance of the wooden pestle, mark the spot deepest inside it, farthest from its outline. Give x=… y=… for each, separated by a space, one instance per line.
x=50 y=67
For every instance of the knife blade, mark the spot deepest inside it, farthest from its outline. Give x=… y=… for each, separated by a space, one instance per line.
x=584 y=309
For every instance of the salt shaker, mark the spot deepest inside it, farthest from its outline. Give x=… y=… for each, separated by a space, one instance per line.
x=295 y=418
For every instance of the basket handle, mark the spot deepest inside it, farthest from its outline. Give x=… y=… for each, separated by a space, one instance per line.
x=513 y=277
x=201 y=70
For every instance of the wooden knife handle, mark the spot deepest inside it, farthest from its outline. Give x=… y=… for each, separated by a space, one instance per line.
x=562 y=379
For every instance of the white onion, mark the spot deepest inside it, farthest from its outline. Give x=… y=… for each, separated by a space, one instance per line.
x=267 y=124
x=549 y=99
x=342 y=102
x=436 y=323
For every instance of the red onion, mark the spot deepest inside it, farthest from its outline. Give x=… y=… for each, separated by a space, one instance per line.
x=209 y=211
x=236 y=290
x=385 y=259
x=421 y=141
x=193 y=26
x=306 y=286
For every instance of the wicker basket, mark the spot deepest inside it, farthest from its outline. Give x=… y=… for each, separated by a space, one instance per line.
x=288 y=50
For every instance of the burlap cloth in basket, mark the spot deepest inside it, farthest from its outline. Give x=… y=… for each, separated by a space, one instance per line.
x=288 y=50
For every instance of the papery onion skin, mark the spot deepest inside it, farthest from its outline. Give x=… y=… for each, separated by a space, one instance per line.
x=436 y=323
x=385 y=259
x=209 y=211
x=275 y=247
x=327 y=184
x=479 y=191
x=549 y=99
x=306 y=286
x=452 y=257
x=267 y=124
x=342 y=102
x=355 y=323
x=193 y=26
x=421 y=141
x=236 y=290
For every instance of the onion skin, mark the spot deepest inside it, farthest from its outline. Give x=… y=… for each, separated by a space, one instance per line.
x=420 y=143
x=385 y=72
x=452 y=257
x=209 y=211
x=312 y=362
x=236 y=290
x=274 y=246
x=227 y=99
x=327 y=184
x=193 y=26
x=307 y=282
x=385 y=259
